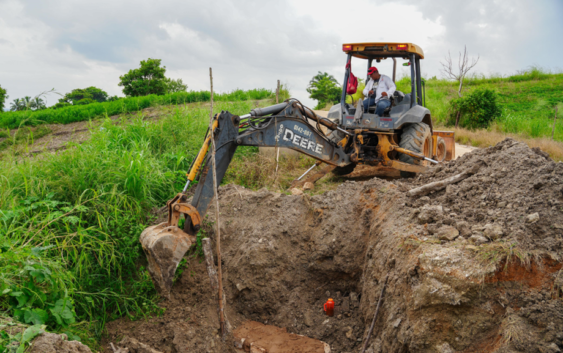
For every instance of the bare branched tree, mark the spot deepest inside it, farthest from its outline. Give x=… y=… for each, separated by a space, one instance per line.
x=463 y=67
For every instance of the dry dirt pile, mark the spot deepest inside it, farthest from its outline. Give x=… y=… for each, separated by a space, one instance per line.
x=472 y=268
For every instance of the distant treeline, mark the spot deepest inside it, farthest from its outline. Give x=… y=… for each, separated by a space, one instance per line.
x=75 y=113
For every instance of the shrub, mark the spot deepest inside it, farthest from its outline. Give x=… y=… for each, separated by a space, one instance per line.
x=476 y=110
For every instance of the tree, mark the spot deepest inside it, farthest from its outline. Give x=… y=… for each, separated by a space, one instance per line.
x=81 y=96
x=148 y=79
x=325 y=89
x=463 y=68
x=3 y=97
x=17 y=105
x=27 y=103
x=173 y=86
x=477 y=109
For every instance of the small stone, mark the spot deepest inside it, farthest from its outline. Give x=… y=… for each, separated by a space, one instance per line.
x=397 y=323
x=448 y=233
x=350 y=333
x=533 y=218
x=241 y=287
x=345 y=304
x=296 y=191
x=424 y=199
x=354 y=300
x=463 y=228
x=308 y=186
x=339 y=317
x=429 y=214
x=493 y=231
x=554 y=348
x=308 y=318
x=444 y=348
x=478 y=239
x=502 y=204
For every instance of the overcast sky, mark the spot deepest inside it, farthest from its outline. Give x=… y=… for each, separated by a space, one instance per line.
x=67 y=44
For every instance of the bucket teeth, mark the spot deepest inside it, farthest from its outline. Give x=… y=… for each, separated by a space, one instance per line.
x=164 y=247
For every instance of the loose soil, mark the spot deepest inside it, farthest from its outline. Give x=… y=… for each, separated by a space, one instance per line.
x=475 y=267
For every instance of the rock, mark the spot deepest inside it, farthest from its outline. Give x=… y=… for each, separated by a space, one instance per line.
x=339 y=317
x=308 y=186
x=53 y=343
x=397 y=323
x=478 y=239
x=554 y=348
x=429 y=214
x=463 y=228
x=349 y=332
x=135 y=346
x=533 y=218
x=493 y=231
x=354 y=302
x=448 y=233
x=296 y=191
x=345 y=304
x=445 y=348
x=308 y=318
x=501 y=204
x=424 y=199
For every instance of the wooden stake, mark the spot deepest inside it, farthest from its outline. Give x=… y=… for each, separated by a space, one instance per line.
x=213 y=278
x=217 y=219
x=554 y=119
x=277 y=148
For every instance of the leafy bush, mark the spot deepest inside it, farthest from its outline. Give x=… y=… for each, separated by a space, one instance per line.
x=476 y=110
x=82 y=96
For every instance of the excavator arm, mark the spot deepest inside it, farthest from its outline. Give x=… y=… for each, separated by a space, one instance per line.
x=285 y=125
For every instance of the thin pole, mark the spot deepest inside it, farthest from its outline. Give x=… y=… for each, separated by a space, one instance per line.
x=376 y=312
x=217 y=220
x=277 y=148
x=554 y=118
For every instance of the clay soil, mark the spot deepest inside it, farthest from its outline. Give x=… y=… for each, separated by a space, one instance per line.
x=475 y=267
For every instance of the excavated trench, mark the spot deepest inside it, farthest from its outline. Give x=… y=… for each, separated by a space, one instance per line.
x=475 y=267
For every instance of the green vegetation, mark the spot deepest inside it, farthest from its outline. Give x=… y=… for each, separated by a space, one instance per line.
x=3 y=97
x=173 y=86
x=527 y=99
x=71 y=114
x=24 y=135
x=325 y=89
x=83 y=96
x=476 y=110
x=70 y=222
x=148 y=79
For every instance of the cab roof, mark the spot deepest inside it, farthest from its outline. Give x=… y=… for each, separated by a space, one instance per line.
x=382 y=50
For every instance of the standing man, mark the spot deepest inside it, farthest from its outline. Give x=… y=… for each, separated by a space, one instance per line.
x=378 y=91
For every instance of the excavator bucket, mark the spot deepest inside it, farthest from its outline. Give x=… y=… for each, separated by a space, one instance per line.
x=164 y=247
x=165 y=244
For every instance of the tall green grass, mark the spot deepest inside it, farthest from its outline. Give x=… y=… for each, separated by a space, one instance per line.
x=71 y=114
x=528 y=100
x=77 y=217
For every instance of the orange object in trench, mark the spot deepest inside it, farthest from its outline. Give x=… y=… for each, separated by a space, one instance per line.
x=329 y=307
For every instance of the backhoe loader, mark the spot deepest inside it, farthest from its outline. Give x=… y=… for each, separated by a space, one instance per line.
x=402 y=140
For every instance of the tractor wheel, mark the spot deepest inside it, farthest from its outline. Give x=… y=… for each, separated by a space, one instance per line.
x=417 y=138
x=440 y=149
x=344 y=170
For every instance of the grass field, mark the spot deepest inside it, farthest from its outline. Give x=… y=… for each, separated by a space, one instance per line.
x=12 y=120
x=528 y=100
x=70 y=222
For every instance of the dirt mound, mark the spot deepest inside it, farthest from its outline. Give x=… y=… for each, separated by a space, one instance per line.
x=472 y=268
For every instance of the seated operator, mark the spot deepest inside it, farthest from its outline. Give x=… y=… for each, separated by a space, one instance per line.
x=378 y=91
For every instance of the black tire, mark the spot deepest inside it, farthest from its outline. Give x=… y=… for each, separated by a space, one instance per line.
x=417 y=138
x=344 y=170
x=440 y=150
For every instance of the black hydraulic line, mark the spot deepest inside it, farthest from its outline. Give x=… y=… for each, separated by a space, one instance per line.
x=418 y=81
x=394 y=68
x=273 y=109
x=413 y=79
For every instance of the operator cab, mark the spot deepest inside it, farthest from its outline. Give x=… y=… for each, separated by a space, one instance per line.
x=397 y=114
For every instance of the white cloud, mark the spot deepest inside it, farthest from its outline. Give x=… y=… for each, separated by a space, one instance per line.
x=67 y=44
